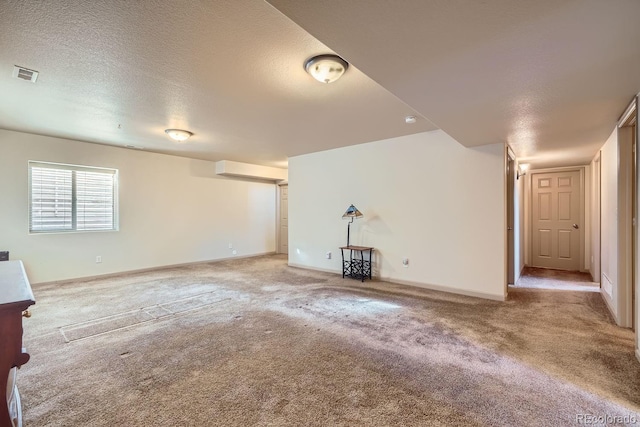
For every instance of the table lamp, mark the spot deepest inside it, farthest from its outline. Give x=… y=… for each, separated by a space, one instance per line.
x=351 y=213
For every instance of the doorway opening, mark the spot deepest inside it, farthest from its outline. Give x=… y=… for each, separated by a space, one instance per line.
x=555 y=230
x=282 y=223
x=628 y=211
x=511 y=165
x=545 y=278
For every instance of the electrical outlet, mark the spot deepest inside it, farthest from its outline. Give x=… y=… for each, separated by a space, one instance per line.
x=405 y=262
x=230 y=245
x=98 y=259
x=328 y=255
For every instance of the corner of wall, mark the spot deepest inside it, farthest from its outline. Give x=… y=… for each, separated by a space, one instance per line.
x=610 y=306
x=448 y=247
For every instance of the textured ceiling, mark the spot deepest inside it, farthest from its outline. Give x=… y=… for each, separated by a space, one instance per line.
x=120 y=72
x=549 y=77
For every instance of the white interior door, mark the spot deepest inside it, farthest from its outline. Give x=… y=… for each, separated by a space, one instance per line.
x=284 y=219
x=556 y=220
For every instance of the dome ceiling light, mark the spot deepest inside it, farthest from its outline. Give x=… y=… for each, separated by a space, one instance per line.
x=326 y=68
x=178 y=134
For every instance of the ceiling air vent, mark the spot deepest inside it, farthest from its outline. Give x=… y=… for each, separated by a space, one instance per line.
x=25 y=74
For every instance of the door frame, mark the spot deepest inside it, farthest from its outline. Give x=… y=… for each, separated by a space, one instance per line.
x=595 y=267
x=279 y=186
x=511 y=211
x=584 y=215
x=627 y=211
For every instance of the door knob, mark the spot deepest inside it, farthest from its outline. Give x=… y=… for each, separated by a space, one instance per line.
x=576 y=226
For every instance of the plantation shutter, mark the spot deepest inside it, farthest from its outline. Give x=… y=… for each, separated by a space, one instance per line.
x=51 y=199
x=71 y=198
x=94 y=201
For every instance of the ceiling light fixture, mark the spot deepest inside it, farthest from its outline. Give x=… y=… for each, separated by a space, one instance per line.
x=410 y=119
x=326 y=68
x=178 y=134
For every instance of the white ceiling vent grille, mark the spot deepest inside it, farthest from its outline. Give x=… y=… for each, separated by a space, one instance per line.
x=25 y=74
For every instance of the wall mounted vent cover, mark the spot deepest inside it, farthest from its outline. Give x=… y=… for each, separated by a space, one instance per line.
x=25 y=74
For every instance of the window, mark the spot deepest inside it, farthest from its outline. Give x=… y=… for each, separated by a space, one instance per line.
x=71 y=198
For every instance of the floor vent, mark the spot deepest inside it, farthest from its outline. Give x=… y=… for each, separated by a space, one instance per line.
x=25 y=74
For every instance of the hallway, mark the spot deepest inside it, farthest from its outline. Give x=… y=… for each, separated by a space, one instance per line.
x=559 y=280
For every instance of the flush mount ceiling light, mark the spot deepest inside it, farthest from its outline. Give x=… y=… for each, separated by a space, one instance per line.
x=178 y=134
x=326 y=68
x=410 y=120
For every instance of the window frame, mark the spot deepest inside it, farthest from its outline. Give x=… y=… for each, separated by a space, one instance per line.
x=73 y=168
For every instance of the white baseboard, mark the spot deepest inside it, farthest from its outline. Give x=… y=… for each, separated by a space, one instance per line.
x=605 y=297
x=143 y=270
x=448 y=289
x=414 y=284
x=323 y=270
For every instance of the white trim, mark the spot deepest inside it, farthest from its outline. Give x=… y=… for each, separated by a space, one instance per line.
x=144 y=270
x=278 y=199
x=421 y=285
x=447 y=289
x=636 y=249
x=628 y=112
x=528 y=211
x=71 y=182
x=625 y=229
x=605 y=297
x=278 y=216
x=322 y=270
x=511 y=177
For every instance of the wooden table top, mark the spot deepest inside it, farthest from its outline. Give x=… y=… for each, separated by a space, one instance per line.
x=14 y=285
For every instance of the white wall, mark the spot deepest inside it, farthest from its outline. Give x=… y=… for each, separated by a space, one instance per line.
x=424 y=197
x=173 y=210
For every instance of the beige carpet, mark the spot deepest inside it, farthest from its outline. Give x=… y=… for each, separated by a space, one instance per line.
x=254 y=342
x=558 y=280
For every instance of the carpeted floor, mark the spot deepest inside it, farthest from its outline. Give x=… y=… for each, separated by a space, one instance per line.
x=254 y=342
x=559 y=280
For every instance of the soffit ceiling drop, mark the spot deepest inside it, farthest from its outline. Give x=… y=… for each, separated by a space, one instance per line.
x=232 y=72
x=549 y=77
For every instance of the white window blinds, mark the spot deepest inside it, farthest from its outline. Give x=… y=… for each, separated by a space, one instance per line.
x=71 y=198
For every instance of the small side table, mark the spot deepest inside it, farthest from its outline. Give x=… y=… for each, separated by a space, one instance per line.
x=356 y=267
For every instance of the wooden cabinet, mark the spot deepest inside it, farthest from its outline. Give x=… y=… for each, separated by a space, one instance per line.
x=15 y=297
